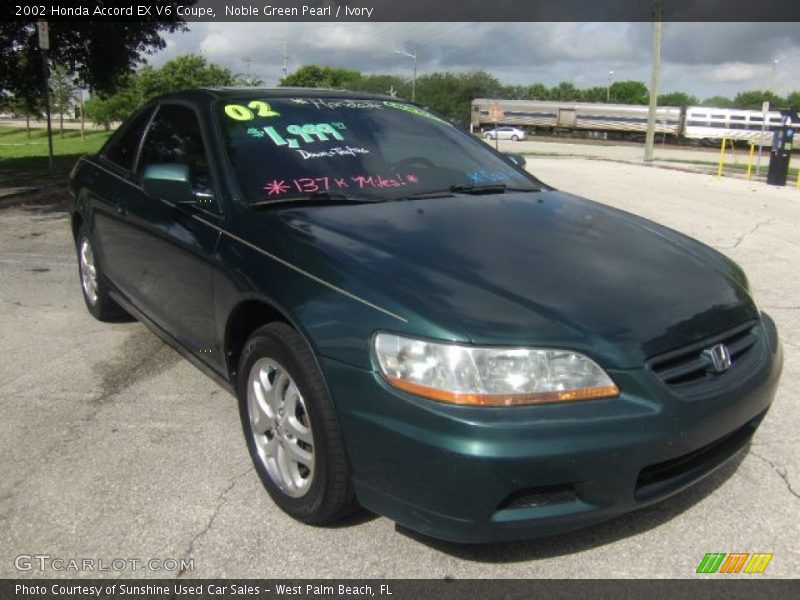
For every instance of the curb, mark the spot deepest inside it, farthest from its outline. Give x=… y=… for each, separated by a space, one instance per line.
x=34 y=195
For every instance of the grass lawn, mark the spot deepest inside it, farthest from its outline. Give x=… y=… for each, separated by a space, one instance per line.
x=24 y=161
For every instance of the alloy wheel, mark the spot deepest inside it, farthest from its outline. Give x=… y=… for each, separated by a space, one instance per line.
x=280 y=426
x=88 y=271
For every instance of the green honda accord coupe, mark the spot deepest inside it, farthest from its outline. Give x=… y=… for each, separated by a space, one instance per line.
x=413 y=323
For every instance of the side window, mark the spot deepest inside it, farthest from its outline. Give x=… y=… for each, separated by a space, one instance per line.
x=122 y=148
x=174 y=137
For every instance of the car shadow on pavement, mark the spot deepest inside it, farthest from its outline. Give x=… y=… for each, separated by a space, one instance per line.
x=359 y=517
x=607 y=532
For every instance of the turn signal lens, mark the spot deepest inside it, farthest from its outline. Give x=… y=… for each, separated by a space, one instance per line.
x=489 y=376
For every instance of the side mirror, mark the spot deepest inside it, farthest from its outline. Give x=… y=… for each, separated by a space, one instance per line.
x=517 y=159
x=168 y=181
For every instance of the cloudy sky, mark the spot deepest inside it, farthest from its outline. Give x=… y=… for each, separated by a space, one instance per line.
x=702 y=58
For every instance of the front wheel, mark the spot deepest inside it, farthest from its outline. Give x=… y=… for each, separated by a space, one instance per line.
x=291 y=428
x=514 y=138
x=488 y=136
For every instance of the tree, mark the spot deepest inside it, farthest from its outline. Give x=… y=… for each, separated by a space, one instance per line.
x=677 y=99
x=537 y=91
x=321 y=76
x=793 y=100
x=381 y=84
x=98 y=53
x=565 y=92
x=594 y=94
x=112 y=108
x=184 y=72
x=20 y=106
x=754 y=99
x=514 y=92
x=720 y=101
x=629 y=92
x=63 y=92
x=451 y=94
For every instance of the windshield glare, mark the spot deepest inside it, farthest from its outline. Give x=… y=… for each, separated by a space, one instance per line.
x=282 y=148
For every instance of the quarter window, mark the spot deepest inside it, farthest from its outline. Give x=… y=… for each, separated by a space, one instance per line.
x=122 y=148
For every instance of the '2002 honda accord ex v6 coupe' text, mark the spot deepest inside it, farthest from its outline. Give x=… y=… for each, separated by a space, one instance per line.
x=413 y=323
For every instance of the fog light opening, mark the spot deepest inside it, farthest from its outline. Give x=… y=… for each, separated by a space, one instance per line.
x=540 y=496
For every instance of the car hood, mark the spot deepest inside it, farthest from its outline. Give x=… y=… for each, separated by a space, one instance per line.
x=544 y=268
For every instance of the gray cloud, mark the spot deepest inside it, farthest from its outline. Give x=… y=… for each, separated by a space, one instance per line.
x=702 y=58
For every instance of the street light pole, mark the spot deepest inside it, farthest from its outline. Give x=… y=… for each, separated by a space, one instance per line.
x=651 y=114
x=414 y=79
x=608 y=88
x=772 y=76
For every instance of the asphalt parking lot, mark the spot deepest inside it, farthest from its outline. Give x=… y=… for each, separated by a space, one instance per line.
x=115 y=447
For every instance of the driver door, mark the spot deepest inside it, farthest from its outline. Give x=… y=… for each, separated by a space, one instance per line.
x=172 y=251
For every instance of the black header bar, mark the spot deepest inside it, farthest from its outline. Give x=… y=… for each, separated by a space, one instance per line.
x=706 y=587
x=401 y=10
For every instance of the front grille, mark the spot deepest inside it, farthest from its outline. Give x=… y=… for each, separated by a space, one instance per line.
x=540 y=496
x=663 y=477
x=691 y=364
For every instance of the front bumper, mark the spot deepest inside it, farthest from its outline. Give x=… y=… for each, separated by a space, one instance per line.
x=491 y=474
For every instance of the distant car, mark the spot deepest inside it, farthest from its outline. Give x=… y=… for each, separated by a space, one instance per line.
x=414 y=323
x=514 y=134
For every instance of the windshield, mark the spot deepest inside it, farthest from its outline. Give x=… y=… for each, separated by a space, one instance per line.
x=282 y=148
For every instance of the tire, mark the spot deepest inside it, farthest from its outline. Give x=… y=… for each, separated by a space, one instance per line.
x=93 y=284
x=315 y=489
x=488 y=136
x=515 y=138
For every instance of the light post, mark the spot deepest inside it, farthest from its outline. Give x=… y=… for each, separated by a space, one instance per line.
x=608 y=87
x=414 y=79
x=772 y=76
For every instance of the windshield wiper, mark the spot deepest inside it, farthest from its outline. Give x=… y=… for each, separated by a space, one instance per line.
x=489 y=188
x=315 y=198
x=423 y=195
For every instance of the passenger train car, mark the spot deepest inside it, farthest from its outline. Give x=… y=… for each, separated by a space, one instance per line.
x=692 y=123
x=705 y=122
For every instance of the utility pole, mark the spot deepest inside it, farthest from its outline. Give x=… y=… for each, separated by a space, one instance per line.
x=656 y=72
x=608 y=87
x=285 y=62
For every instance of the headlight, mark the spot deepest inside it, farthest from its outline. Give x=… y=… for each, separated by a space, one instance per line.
x=489 y=376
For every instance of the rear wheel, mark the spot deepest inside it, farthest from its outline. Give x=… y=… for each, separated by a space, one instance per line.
x=291 y=428
x=515 y=138
x=93 y=285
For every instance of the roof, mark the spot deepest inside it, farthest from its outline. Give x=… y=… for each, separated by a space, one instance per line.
x=276 y=92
